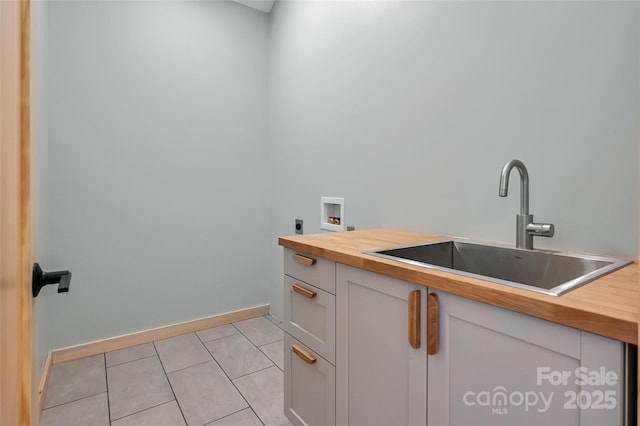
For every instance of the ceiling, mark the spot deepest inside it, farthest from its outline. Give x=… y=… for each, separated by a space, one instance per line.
x=262 y=5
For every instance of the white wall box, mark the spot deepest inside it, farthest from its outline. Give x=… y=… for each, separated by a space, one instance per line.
x=332 y=214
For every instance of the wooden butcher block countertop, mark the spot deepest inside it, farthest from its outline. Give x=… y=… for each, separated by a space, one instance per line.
x=607 y=306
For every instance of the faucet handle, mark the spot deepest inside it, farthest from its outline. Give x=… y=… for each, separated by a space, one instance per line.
x=541 y=229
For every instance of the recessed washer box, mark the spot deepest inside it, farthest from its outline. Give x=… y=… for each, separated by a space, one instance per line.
x=332 y=213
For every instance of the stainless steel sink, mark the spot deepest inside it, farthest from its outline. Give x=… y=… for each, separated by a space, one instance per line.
x=548 y=272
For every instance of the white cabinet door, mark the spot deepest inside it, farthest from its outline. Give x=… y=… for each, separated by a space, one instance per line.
x=380 y=377
x=309 y=390
x=497 y=367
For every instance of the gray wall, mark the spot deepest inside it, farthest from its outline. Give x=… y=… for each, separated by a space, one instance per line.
x=409 y=110
x=173 y=159
x=157 y=192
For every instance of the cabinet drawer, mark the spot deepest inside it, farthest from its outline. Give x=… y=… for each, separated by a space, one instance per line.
x=311 y=269
x=310 y=317
x=309 y=386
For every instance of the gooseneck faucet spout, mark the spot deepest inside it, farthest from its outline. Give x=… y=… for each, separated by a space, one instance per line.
x=524 y=184
x=526 y=229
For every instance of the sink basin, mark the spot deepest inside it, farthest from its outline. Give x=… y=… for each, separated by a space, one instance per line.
x=548 y=272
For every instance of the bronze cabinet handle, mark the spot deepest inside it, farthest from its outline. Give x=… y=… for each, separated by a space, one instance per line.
x=310 y=294
x=306 y=356
x=303 y=260
x=414 y=319
x=433 y=327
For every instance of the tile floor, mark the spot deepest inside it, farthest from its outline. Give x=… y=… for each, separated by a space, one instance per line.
x=227 y=375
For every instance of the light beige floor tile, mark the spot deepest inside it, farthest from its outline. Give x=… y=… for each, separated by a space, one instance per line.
x=264 y=391
x=139 y=393
x=205 y=393
x=275 y=352
x=132 y=353
x=242 y=418
x=275 y=320
x=260 y=331
x=163 y=415
x=137 y=386
x=237 y=356
x=73 y=380
x=93 y=411
x=181 y=352
x=217 y=332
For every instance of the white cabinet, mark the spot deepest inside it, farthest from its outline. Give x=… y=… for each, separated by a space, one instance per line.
x=359 y=346
x=309 y=351
x=311 y=316
x=497 y=367
x=309 y=389
x=380 y=376
x=311 y=269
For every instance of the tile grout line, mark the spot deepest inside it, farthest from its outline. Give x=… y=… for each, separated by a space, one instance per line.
x=231 y=414
x=217 y=338
x=213 y=358
x=129 y=362
x=239 y=392
x=170 y=385
x=106 y=382
x=267 y=355
x=146 y=409
x=72 y=401
x=257 y=371
x=233 y=384
x=239 y=332
x=273 y=363
x=257 y=347
x=261 y=351
x=84 y=397
x=280 y=325
x=140 y=411
x=184 y=368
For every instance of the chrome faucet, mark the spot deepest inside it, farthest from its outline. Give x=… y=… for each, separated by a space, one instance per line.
x=526 y=229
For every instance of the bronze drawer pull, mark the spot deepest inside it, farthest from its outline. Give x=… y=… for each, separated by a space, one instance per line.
x=303 y=260
x=306 y=356
x=303 y=291
x=414 y=319
x=433 y=337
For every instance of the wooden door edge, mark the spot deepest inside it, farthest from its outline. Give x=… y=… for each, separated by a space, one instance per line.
x=26 y=300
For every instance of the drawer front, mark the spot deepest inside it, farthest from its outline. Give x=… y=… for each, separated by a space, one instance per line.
x=311 y=269
x=309 y=386
x=310 y=317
